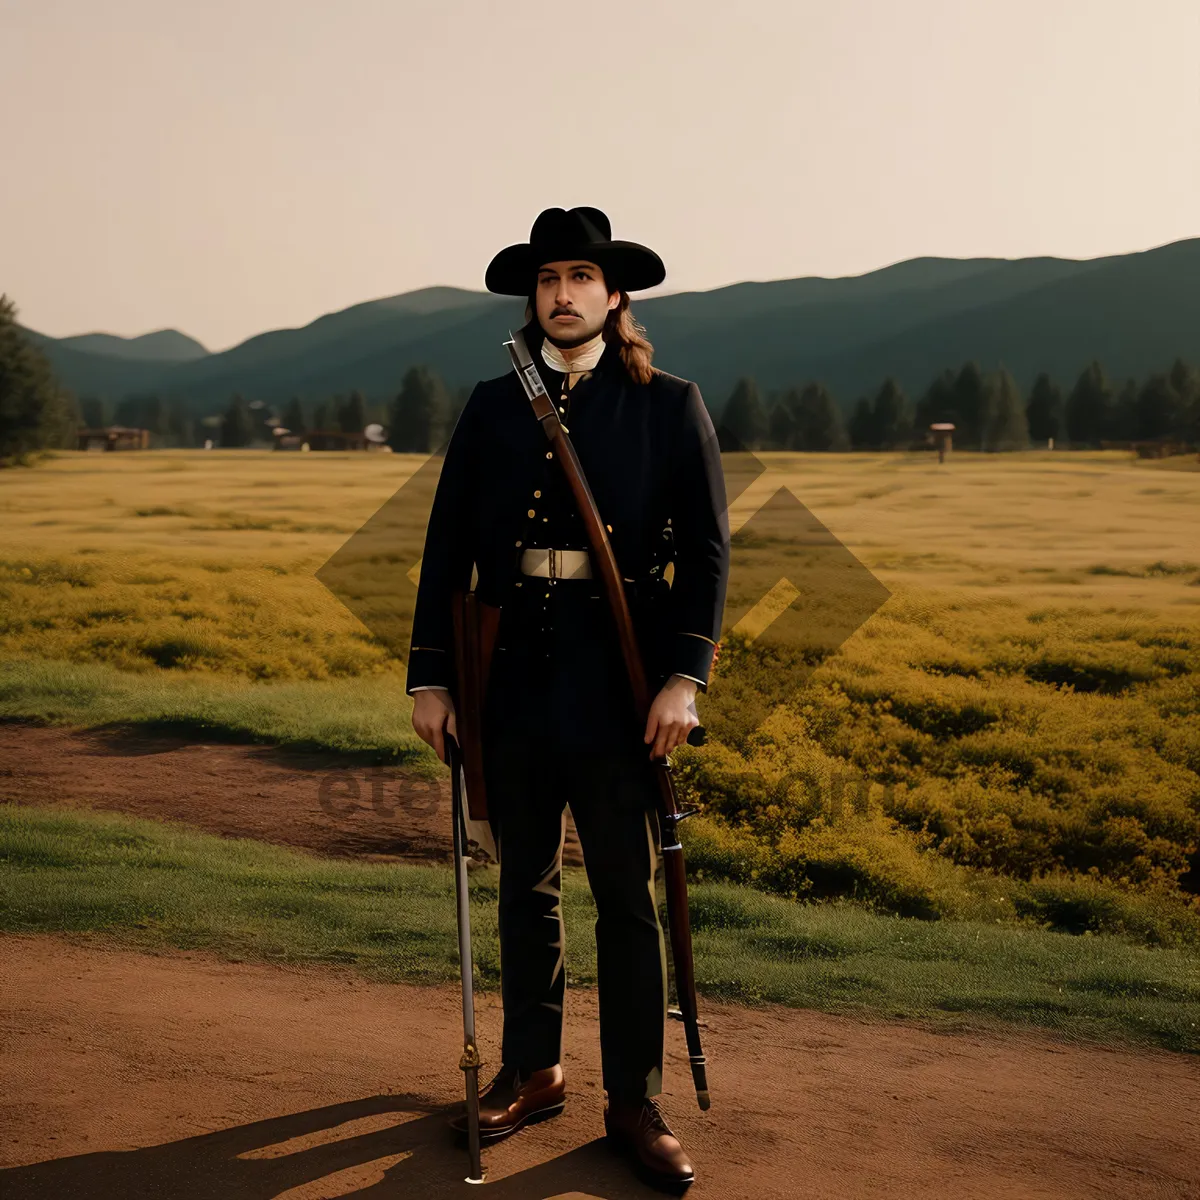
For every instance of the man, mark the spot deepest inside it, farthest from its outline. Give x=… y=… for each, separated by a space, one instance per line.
x=559 y=723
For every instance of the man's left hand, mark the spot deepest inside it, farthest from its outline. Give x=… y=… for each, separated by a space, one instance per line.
x=672 y=716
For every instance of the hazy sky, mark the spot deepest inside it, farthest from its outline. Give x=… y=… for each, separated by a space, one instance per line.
x=231 y=166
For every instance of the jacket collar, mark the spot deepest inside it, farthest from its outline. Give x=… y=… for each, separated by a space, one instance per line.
x=608 y=366
x=585 y=359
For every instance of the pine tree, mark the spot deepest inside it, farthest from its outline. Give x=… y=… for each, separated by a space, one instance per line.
x=352 y=416
x=128 y=412
x=818 y=420
x=1123 y=416
x=237 y=425
x=1186 y=381
x=35 y=412
x=781 y=426
x=293 y=416
x=1089 y=408
x=1043 y=413
x=180 y=426
x=968 y=400
x=937 y=403
x=864 y=434
x=143 y=411
x=1158 y=408
x=1005 y=425
x=744 y=415
x=420 y=413
x=91 y=412
x=892 y=415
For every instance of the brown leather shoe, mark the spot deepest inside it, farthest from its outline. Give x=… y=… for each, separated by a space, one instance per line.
x=641 y=1129
x=513 y=1099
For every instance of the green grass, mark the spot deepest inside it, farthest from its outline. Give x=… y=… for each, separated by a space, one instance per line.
x=1023 y=710
x=151 y=885
x=800 y=849
x=366 y=719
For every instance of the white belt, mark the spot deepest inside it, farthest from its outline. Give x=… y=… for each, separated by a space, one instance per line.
x=556 y=564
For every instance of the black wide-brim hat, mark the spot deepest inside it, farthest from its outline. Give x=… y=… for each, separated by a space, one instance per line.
x=583 y=233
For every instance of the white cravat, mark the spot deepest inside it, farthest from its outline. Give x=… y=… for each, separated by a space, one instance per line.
x=584 y=360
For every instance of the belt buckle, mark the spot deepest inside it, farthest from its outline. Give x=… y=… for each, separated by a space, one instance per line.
x=552 y=563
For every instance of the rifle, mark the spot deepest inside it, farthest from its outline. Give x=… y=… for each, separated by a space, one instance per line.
x=669 y=813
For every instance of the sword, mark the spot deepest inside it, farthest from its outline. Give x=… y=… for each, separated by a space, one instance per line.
x=470 y=1060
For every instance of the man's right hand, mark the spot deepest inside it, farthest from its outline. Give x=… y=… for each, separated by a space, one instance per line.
x=433 y=712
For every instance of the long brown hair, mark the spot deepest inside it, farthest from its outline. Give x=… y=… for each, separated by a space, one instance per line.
x=623 y=330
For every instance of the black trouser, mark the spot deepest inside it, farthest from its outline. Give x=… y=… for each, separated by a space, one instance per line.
x=535 y=766
x=528 y=788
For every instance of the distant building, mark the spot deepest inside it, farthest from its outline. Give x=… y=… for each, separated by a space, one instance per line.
x=114 y=437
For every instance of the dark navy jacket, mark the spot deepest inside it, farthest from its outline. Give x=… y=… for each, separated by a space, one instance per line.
x=650 y=455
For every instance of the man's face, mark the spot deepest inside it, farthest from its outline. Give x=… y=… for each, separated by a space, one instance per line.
x=573 y=301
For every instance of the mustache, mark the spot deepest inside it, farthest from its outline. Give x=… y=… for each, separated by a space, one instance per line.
x=563 y=312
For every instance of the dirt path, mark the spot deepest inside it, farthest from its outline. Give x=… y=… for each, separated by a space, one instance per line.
x=180 y=1076
x=313 y=801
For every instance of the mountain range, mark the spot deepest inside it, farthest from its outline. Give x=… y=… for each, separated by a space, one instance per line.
x=1135 y=313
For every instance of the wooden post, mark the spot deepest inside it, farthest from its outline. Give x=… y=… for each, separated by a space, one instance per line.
x=942 y=431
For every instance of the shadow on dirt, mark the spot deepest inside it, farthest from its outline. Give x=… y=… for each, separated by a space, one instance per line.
x=415 y=1157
